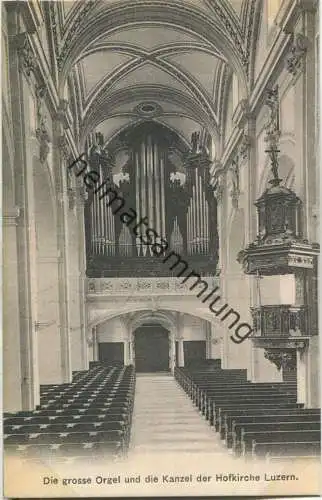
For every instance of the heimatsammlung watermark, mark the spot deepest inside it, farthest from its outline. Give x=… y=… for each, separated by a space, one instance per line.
x=160 y=247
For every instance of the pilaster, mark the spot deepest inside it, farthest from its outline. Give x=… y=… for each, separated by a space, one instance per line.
x=25 y=230
x=12 y=389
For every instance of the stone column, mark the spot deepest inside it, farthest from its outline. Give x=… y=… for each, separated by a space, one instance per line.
x=308 y=369
x=90 y=346
x=301 y=64
x=81 y=199
x=180 y=352
x=172 y=351
x=76 y=277
x=314 y=367
x=126 y=352
x=215 y=342
x=207 y=331
x=302 y=376
x=26 y=232
x=131 y=349
x=95 y=344
x=180 y=339
x=12 y=396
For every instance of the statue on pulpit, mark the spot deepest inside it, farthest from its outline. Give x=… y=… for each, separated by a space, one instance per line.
x=272 y=102
x=273 y=132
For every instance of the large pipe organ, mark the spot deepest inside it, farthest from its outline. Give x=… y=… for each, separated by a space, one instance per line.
x=164 y=184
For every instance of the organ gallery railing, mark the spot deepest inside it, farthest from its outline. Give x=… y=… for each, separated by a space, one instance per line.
x=143 y=286
x=280 y=321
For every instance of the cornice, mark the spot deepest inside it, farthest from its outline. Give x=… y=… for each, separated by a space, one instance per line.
x=33 y=61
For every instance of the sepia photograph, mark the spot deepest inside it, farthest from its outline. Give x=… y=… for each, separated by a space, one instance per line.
x=160 y=224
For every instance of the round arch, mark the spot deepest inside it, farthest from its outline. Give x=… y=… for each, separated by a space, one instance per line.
x=159 y=317
x=202 y=313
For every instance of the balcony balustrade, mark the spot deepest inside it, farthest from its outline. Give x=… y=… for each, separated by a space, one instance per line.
x=149 y=286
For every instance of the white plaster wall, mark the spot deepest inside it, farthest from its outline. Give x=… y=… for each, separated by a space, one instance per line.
x=314 y=373
x=4 y=60
x=193 y=328
x=275 y=290
x=229 y=113
x=111 y=331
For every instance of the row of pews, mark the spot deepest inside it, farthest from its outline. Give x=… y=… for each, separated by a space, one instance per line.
x=253 y=419
x=86 y=419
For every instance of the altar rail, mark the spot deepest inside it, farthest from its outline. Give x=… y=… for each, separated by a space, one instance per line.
x=147 y=286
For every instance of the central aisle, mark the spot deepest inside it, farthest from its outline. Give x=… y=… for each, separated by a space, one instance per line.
x=166 y=421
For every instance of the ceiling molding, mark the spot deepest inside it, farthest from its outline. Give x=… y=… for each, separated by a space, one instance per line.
x=135 y=50
x=142 y=58
x=175 y=14
x=110 y=102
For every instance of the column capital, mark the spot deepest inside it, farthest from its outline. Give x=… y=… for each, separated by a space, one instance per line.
x=296 y=54
x=26 y=55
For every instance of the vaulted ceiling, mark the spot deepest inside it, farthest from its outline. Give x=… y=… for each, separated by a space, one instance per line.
x=168 y=61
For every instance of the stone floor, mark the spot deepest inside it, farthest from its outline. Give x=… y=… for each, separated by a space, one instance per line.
x=165 y=420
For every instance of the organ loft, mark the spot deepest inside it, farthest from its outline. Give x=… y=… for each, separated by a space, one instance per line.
x=160 y=172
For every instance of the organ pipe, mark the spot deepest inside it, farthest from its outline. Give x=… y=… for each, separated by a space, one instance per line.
x=144 y=189
x=197 y=213
x=162 y=229
x=102 y=232
x=137 y=196
x=151 y=183
x=93 y=224
x=207 y=225
x=198 y=218
x=202 y=220
x=157 y=189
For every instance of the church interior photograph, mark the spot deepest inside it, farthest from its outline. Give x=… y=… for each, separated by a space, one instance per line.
x=160 y=230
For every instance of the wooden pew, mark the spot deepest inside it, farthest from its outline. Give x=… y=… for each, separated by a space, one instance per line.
x=250 y=439
x=255 y=407
x=239 y=430
x=216 y=395
x=236 y=400
x=261 y=416
x=286 y=450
